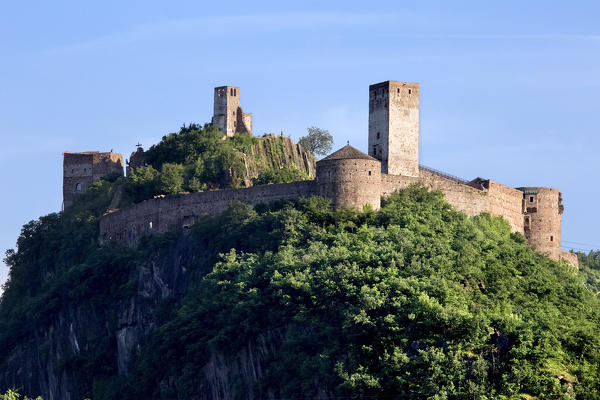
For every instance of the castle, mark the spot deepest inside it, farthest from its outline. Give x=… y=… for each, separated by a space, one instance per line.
x=349 y=177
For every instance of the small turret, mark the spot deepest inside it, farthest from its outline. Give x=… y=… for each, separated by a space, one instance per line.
x=350 y=178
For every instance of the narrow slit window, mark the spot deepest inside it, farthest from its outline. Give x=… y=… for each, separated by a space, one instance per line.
x=409 y=91
x=378 y=135
x=552 y=238
x=369 y=173
x=531 y=198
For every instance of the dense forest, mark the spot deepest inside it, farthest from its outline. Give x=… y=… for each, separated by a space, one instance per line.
x=294 y=300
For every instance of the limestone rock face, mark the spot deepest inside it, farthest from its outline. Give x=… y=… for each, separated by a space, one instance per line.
x=43 y=365
x=275 y=152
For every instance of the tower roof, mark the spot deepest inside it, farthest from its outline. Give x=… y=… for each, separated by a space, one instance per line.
x=349 y=153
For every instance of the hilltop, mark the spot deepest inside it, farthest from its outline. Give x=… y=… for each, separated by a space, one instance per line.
x=296 y=299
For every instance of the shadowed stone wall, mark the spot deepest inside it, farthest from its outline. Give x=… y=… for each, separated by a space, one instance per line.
x=163 y=214
x=80 y=170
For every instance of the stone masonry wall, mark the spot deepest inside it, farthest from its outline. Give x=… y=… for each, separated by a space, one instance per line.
x=543 y=211
x=77 y=175
x=506 y=202
x=167 y=213
x=80 y=170
x=350 y=182
x=394 y=127
x=464 y=198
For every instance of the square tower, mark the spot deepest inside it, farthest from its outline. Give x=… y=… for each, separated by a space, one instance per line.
x=394 y=127
x=81 y=170
x=228 y=115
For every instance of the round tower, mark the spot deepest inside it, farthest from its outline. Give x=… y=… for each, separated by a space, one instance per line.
x=350 y=178
x=542 y=219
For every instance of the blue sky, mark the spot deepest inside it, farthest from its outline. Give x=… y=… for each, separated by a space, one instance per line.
x=509 y=91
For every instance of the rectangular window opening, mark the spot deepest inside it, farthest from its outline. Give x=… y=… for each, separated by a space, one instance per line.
x=552 y=238
x=531 y=199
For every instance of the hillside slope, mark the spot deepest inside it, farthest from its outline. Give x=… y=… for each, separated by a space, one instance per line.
x=294 y=300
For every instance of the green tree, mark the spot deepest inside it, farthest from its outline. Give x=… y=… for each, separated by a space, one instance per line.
x=14 y=395
x=318 y=141
x=170 y=179
x=142 y=184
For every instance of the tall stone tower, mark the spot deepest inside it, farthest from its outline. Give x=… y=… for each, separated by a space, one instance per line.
x=542 y=210
x=228 y=115
x=394 y=127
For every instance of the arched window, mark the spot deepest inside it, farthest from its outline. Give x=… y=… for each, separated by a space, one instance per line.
x=78 y=187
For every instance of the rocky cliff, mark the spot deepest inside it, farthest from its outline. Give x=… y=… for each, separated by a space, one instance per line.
x=55 y=360
x=277 y=152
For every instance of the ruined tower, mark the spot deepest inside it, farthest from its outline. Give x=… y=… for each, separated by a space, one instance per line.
x=542 y=210
x=228 y=115
x=80 y=170
x=394 y=127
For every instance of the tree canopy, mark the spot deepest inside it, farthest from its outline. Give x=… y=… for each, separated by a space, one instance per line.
x=318 y=141
x=413 y=301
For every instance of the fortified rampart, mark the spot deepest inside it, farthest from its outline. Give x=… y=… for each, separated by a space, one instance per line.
x=352 y=178
x=163 y=214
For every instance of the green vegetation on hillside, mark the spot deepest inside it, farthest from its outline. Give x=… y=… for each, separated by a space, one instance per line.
x=14 y=395
x=589 y=268
x=280 y=175
x=413 y=301
x=199 y=158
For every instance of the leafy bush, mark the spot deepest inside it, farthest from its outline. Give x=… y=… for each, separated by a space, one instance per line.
x=280 y=175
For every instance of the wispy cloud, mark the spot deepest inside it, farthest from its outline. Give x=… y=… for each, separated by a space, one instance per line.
x=228 y=25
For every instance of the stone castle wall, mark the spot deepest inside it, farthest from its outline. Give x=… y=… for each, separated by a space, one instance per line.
x=506 y=202
x=470 y=200
x=163 y=214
